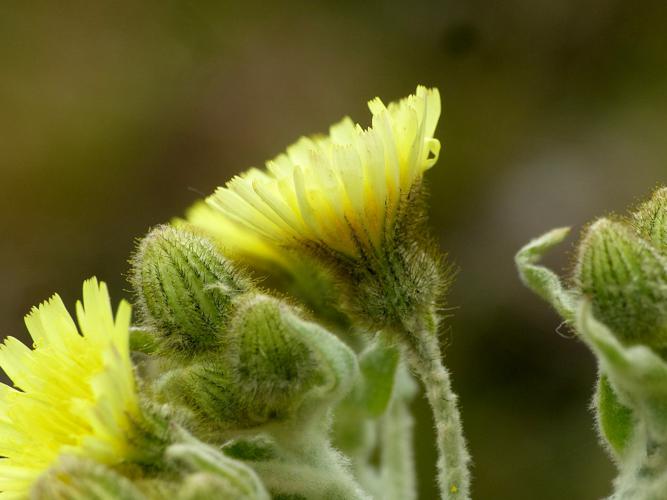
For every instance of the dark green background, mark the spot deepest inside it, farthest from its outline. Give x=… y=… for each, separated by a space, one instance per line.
x=116 y=116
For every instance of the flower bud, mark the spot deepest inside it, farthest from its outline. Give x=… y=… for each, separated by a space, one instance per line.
x=650 y=220
x=185 y=288
x=205 y=389
x=271 y=362
x=626 y=280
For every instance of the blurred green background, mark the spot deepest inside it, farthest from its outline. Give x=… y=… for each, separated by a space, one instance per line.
x=116 y=116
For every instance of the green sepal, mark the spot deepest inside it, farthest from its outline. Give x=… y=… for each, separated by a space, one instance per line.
x=255 y=449
x=336 y=361
x=149 y=436
x=143 y=340
x=616 y=422
x=214 y=475
x=638 y=374
x=378 y=370
x=541 y=280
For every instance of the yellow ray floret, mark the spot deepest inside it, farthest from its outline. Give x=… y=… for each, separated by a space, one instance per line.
x=234 y=240
x=73 y=393
x=342 y=190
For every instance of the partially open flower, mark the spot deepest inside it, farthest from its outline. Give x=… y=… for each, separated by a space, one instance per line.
x=352 y=199
x=74 y=392
x=343 y=191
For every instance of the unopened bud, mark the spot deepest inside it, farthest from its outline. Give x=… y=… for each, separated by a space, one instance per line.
x=270 y=362
x=650 y=220
x=626 y=280
x=205 y=390
x=185 y=287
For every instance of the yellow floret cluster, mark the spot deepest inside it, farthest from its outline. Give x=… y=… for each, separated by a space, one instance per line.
x=74 y=391
x=340 y=191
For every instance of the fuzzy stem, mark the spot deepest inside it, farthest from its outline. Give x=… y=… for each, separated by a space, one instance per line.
x=397 y=460
x=366 y=473
x=643 y=475
x=311 y=467
x=303 y=481
x=312 y=470
x=425 y=358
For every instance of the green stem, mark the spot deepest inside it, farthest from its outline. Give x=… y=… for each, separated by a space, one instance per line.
x=323 y=479
x=643 y=473
x=366 y=473
x=453 y=459
x=309 y=466
x=397 y=460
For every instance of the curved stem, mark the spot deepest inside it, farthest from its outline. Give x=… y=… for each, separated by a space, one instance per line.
x=453 y=458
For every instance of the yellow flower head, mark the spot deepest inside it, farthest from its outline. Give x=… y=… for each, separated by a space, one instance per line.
x=74 y=391
x=342 y=191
